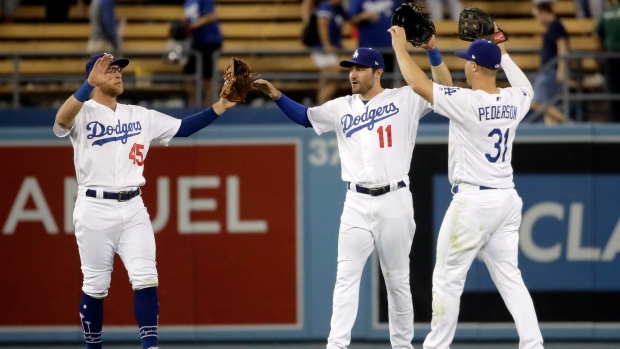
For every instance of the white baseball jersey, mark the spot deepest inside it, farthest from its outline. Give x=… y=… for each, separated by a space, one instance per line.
x=481 y=155
x=128 y=130
x=375 y=140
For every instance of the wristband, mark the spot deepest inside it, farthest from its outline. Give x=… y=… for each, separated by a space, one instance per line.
x=434 y=56
x=83 y=92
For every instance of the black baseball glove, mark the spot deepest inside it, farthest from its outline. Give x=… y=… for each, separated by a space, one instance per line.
x=418 y=27
x=477 y=24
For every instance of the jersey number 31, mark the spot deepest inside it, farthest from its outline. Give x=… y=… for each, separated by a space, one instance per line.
x=498 y=145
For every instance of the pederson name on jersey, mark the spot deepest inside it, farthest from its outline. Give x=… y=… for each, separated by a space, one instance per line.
x=497 y=112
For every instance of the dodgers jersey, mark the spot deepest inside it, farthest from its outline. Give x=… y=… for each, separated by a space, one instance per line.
x=109 y=147
x=376 y=139
x=482 y=129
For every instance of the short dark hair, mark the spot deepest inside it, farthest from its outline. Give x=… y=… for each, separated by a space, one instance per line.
x=545 y=7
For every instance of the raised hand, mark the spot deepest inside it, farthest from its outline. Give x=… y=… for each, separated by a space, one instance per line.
x=399 y=38
x=98 y=75
x=267 y=88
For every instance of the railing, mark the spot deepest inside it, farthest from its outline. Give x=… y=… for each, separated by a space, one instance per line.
x=218 y=78
x=17 y=79
x=568 y=95
x=574 y=72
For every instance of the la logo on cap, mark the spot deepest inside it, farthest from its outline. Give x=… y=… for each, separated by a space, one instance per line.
x=473 y=56
x=355 y=54
x=376 y=63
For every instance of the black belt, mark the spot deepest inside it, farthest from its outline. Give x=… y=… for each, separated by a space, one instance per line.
x=120 y=196
x=375 y=191
x=482 y=187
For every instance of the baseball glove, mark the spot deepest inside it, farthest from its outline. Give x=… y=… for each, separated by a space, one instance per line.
x=237 y=80
x=477 y=24
x=418 y=27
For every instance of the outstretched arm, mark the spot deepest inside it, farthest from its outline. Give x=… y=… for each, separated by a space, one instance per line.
x=65 y=117
x=515 y=75
x=439 y=69
x=197 y=122
x=415 y=77
x=293 y=110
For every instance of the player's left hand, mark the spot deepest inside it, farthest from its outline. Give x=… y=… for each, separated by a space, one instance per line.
x=502 y=45
x=399 y=38
x=430 y=45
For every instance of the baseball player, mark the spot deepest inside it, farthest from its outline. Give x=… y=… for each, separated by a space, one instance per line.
x=485 y=213
x=110 y=142
x=376 y=129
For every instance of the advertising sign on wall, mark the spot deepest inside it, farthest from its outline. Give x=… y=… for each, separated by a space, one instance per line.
x=227 y=224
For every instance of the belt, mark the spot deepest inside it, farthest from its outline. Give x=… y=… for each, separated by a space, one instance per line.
x=120 y=196
x=469 y=186
x=374 y=191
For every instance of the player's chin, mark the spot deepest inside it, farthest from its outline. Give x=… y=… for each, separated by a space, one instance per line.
x=355 y=87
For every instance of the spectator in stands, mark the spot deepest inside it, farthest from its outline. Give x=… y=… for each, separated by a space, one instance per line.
x=607 y=30
x=549 y=79
x=436 y=9
x=588 y=8
x=373 y=18
x=104 y=35
x=330 y=17
x=307 y=8
x=8 y=9
x=206 y=38
x=58 y=11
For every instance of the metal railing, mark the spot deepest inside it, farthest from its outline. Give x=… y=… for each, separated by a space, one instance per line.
x=574 y=72
x=17 y=79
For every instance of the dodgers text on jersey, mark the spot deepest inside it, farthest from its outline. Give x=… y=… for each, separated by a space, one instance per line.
x=99 y=130
x=352 y=124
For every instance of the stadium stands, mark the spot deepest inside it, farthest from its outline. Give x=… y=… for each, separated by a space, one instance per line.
x=249 y=25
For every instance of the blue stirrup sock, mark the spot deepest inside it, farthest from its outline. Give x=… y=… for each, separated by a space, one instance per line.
x=91 y=316
x=146 y=310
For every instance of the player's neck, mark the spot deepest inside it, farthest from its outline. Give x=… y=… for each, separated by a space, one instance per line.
x=486 y=85
x=104 y=99
x=372 y=93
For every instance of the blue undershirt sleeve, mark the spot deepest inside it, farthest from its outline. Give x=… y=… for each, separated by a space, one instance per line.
x=193 y=123
x=294 y=111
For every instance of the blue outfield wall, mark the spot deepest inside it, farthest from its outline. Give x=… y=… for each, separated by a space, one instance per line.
x=551 y=209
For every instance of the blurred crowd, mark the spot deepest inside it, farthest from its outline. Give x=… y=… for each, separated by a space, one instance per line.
x=323 y=22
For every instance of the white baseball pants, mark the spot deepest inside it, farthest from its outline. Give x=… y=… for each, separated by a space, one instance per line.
x=386 y=222
x=485 y=221
x=104 y=227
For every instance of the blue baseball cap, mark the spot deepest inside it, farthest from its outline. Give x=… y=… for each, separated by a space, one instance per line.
x=121 y=62
x=365 y=57
x=483 y=52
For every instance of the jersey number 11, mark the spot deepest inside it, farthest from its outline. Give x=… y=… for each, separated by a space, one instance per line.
x=388 y=131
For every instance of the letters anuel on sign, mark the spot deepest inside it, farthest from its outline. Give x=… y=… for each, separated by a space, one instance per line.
x=225 y=220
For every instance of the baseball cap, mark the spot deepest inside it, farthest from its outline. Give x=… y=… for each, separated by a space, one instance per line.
x=121 y=62
x=483 y=52
x=365 y=57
